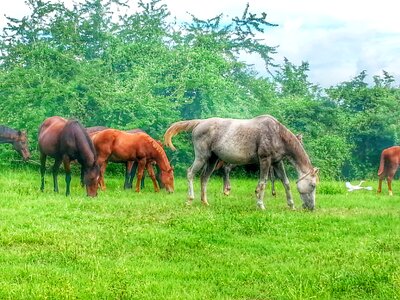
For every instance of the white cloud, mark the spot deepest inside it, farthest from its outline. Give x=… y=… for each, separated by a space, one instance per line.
x=338 y=38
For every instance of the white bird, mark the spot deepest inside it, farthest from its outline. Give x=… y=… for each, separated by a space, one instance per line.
x=351 y=187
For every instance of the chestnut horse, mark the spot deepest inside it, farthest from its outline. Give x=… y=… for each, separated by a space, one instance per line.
x=121 y=146
x=66 y=140
x=390 y=161
x=261 y=140
x=17 y=139
x=130 y=166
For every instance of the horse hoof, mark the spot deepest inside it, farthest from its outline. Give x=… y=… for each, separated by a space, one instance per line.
x=390 y=193
x=205 y=203
x=226 y=193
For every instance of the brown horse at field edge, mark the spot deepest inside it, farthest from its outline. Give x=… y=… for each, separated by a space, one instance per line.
x=390 y=160
x=66 y=140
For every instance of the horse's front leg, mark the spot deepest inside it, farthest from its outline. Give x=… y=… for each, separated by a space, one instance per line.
x=272 y=177
x=191 y=172
x=67 y=168
x=265 y=164
x=140 y=170
x=280 y=169
x=56 y=167
x=150 y=170
x=42 y=170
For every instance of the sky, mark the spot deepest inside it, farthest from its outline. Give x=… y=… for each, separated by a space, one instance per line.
x=338 y=39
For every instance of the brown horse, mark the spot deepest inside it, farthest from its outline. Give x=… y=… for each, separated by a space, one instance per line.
x=66 y=140
x=17 y=139
x=130 y=166
x=121 y=146
x=390 y=161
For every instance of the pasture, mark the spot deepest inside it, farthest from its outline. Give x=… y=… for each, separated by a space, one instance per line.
x=124 y=245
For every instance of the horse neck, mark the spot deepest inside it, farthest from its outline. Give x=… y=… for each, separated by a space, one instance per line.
x=86 y=150
x=160 y=157
x=296 y=153
x=7 y=135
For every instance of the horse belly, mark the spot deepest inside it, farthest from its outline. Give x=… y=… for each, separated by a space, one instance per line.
x=236 y=156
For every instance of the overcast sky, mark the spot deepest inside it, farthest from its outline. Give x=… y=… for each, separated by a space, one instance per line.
x=338 y=38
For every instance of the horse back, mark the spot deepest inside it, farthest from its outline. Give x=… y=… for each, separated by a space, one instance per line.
x=49 y=135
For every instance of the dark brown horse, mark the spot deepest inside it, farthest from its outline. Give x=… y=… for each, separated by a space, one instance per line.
x=17 y=139
x=121 y=146
x=390 y=161
x=66 y=140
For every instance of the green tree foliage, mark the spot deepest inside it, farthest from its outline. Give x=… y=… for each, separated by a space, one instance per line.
x=145 y=70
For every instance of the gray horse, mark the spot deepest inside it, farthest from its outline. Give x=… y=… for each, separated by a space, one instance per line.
x=261 y=140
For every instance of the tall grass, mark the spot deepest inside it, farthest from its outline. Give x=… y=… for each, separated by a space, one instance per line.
x=127 y=245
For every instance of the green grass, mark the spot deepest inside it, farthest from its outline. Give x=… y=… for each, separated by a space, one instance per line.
x=124 y=245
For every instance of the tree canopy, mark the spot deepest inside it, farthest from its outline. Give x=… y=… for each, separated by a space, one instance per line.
x=146 y=70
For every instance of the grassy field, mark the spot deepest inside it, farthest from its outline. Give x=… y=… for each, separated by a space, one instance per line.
x=124 y=245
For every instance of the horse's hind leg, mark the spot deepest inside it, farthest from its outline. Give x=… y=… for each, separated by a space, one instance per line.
x=280 y=170
x=265 y=164
x=42 y=170
x=128 y=174
x=67 y=168
x=390 y=177
x=227 y=184
x=205 y=176
x=56 y=167
x=379 y=190
x=191 y=172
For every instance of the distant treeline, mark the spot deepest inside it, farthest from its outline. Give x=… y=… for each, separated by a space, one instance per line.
x=144 y=70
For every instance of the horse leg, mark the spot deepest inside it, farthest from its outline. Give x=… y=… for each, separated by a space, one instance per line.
x=272 y=177
x=103 y=166
x=140 y=170
x=191 y=172
x=67 y=168
x=391 y=172
x=280 y=171
x=128 y=170
x=227 y=184
x=205 y=176
x=158 y=177
x=82 y=177
x=42 y=170
x=265 y=164
x=132 y=174
x=56 y=167
x=152 y=175
x=379 y=190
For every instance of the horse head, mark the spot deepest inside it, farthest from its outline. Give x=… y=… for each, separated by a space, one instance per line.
x=167 y=178
x=20 y=144
x=306 y=186
x=90 y=179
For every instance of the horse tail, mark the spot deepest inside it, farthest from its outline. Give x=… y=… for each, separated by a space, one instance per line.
x=177 y=127
x=382 y=164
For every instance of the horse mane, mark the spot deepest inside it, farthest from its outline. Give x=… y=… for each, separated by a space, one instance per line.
x=157 y=147
x=295 y=146
x=7 y=131
x=76 y=123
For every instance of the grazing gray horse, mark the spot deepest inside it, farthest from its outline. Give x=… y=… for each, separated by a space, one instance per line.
x=261 y=140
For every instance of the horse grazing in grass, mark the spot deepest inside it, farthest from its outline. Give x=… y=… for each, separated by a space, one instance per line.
x=273 y=172
x=130 y=166
x=66 y=140
x=390 y=161
x=120 y=146
x=262 y=140
x=17 y=139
